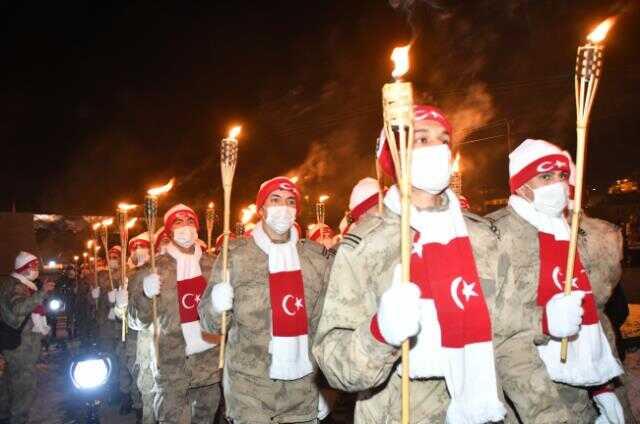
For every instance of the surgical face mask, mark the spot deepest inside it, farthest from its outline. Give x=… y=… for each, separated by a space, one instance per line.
x=141 y=256
x=280 y=218
x=72 y=274
x=114 y=263
x=185 y=236
x=431 y=168
x=32 y=274
x=551 y=199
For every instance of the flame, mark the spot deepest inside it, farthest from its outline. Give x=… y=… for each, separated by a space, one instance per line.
x=157 y=191
x=96 y=226
x=456 y=163
x=210 y=206
x=400 y=58
x=76 y=257
x=131 y=223
x=89 y=244
x=294 y=179
x=107 y=222
x=125 y=207
x=323 y=198
x=85 y=254
x=91 y=259
x=600 y=32
x=247 y=214
x=235 y=132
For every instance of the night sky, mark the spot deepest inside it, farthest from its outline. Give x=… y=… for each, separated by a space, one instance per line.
x=101 y=100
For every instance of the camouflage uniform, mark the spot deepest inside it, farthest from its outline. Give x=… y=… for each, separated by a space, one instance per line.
x=180 y=381
x=84 y=314
x=109 y=331
x=517 y=317
x=16 y=305
x=144 y=378
x=250 y=395
x=347 y=352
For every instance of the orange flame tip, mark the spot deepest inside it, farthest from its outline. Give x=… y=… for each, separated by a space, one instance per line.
x=400 y=58
x=323 y=198
x=157 y=191
x=235 y=132
x=600 y=32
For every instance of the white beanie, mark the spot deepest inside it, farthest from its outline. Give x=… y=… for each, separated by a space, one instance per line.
x=534 y=157
x=171 y=215
x=23 y=260
x=364 y=189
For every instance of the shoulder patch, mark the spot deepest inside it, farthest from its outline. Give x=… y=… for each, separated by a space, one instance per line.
x=317 y=248
x=350 y=241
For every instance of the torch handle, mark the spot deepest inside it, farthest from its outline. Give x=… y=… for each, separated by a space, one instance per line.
x=151 y=224
x=581 y=131
x=225 y=267
x=123 y=267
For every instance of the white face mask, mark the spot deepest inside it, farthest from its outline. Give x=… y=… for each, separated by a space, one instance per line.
x=551 y=199
x=141 y=256
x=185 y=236
x=280 y=218
x=32 y=274
x=431 y=168
x=114 y=263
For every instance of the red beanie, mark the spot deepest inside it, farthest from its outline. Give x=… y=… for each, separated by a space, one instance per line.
x=179 y=209
x=420 y=113
x=277 y=183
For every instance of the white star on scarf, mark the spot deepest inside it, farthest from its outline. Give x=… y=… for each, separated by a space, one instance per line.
x=418 y=245
x=468 y=291
x=298 y=303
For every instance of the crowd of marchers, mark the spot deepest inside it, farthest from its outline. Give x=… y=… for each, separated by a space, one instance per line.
x=485 y=311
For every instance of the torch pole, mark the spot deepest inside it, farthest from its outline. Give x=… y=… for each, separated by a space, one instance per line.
x=588 y=69
x=150 y=212
x=210 y=219
x=228 y=161
x=122 y=226
x=105 y=244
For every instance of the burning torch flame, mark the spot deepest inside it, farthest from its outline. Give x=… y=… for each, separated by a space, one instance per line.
x=85 y=254
x=131 y=223
x=157 y=191
x=235 y=132
x=76 y=257
x=96 y=226
x=210 y=206
x=89 y=244
x=294 y=179
x=400 y=58
x=600 y=33
x=323 y=198
x=107 y=222
x=248 y=213
x=456 y=163
x=125 y=207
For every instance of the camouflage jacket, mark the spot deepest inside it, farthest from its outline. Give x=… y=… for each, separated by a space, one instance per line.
x=348 y=354
x=517 y=317
x=175 y=370
x=16 y=304
x=106 y=328
x=247 y=357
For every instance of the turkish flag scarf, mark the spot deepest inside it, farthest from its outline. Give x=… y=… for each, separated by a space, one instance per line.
x=289 y=346
x=455 y=339
x=589 y=358
x=190 y=285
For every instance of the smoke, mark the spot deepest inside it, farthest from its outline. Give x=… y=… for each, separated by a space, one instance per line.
x=469 y=111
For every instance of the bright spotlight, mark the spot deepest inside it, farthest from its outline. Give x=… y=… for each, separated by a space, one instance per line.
x=90 y=373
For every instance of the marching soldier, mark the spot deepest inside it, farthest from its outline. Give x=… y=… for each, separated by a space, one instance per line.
x=531 y=313
x=274 y=302
x=368 y=313
x=25 y=325
x=186 y=377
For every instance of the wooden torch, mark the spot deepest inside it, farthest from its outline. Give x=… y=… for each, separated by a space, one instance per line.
x=123 y=228
x=210 y=220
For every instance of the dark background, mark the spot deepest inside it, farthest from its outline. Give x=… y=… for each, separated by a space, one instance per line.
x=101 y=100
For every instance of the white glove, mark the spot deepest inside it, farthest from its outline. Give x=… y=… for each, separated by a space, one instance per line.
x=112 y=296
x=122 y=297
x=610 y=409
x=323 y=407
x=399 y=310
x=112 y=315
x=40 y=324
x=564 y=314
x=95 y=292
x=151 y=285
x=222 y=297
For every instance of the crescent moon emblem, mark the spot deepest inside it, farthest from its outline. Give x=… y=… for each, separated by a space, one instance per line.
x=454 y=292
x=184 y=301
x=545 y=166
x=555 y=276
x=284 y=305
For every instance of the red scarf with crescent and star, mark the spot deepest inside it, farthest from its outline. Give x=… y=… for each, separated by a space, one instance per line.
x=289 y=346
x=590 y=361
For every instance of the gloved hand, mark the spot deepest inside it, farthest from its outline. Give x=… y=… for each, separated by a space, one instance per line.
x=112 y=296
x=122 y=297
x=610 y=409
x=564 y=314
x=399 y=310
x=95 y=292
x=323 y=407
x=112 y=315
x=151 y=285
x=222 y=297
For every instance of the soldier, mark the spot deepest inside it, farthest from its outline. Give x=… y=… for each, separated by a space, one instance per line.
x=139 y=341
x=21 y=309
x=531 y=313
x=274 y=299
x=368 y=313
x=186 y=377
x=364 y=200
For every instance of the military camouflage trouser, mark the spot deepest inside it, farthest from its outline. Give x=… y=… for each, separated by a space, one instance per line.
x=261 y=422
x=145 y=383
x=4 y=396
x=21 y=380
x=195 y=405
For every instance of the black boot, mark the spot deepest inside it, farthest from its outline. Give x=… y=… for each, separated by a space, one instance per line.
x=126 y=405
x=138 y=416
